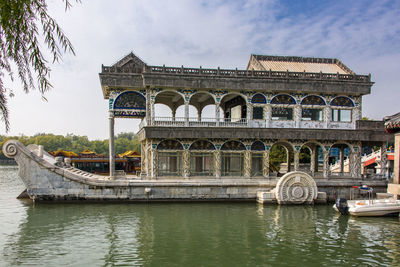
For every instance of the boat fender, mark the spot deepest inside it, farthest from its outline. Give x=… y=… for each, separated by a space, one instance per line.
x=341 y=205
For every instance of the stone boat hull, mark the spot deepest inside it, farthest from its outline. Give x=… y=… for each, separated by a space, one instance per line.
x=47 y=179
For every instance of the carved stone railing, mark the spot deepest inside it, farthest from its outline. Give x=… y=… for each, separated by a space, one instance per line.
x=195 y=122
x=240 y=73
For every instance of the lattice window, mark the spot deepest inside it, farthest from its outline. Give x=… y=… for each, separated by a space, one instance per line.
x=259 y=99
x=201 y=164
x=313 y=100
x=283 y=99
x=169 y=163
x=169 y=144
x=311 y=114
x=258 y=113
x=232 y=164
x=233 y=145
x=342 y=101
x=258 y=146
x=202 y=145
x=281 y=113
x=130 y=100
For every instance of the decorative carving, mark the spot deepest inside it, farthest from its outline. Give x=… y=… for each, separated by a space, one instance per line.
x=296 y=188
x=169 y=144
x=326 y=163
x=342 y=101
x=283 y=99
x=217 y=162
x=186 y=163
x=10 y=149
x=258 y=99
x=233 y=145
x=247 y=164
x=313 y=100
x=266 y=164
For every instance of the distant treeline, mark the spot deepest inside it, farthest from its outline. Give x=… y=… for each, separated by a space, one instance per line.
x=76 y=143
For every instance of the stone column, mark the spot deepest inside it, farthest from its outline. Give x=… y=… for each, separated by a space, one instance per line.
x=143 y=166
x=217 y=114
x=341 y=160
x=327 y=116
x=297 y=115
x=266 y=164
x=153 y=113
x=326 y=164
x=314 y=153
x=149 y=112
x=249 y=113
x=186 y=113
x=296 y=160
x=268 y=116
x=186 y=164
x=148 y=158
x=288 y=159
x=111 y=144
x=154 y=165
x=247 y=164
x=173 y=114
x=383 y=169
x=217 y=163
x=199 y=114
x=396 y=167
x=355 y=163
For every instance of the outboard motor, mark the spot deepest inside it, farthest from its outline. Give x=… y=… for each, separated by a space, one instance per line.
x=341 y=205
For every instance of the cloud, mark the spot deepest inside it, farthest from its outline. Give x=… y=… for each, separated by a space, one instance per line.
x=363 y=34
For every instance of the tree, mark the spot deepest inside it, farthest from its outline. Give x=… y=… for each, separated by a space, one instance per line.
x=22 y=22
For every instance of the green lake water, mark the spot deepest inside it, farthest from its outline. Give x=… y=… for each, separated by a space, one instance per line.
x=187 y=234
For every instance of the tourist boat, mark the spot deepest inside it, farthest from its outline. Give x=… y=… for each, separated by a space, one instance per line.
x=368 y=207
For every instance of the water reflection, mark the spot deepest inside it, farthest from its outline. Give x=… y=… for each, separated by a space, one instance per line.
x=187 y=234
x=199 y=234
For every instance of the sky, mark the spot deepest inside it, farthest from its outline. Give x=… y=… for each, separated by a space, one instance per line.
x=364 y=35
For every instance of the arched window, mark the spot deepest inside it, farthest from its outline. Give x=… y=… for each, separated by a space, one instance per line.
x=130 y=104
x=341 y=111
x=169 y=158
x=201 y=158
x=282 y=113
x=312 y=114
x=232 y=158
x=258 y=99
x=258 y=146
x=283 y=99
x=342 y=101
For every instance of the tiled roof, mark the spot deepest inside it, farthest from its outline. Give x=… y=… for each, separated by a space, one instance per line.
x=300 y=64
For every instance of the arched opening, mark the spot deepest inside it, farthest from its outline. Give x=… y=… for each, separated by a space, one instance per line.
x=232 y=155
x=199 y=101
x=339 y=159
x=165 y=99
x=280 y=158
x=202 y=158
x=234 y=108
x=341 y=109
x=169 y=158
x=312 y=108
x=311 y=158
x=282 y=107
x=257 y=156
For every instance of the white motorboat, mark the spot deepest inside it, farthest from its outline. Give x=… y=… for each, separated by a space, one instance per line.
x=368 y=207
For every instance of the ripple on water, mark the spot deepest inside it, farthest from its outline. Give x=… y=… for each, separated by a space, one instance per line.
x=187 y=234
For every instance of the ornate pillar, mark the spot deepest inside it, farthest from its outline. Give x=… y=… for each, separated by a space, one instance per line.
x=186 y=113
x=314 y=154
x=383 y=170
x=148 y=158
x=186 y=163
x=296 y=159
x=154 y=164
x=297 y=115
x=288 y=159
x=268 y=116
x=341 y=160
x=199 y=114
x=247 y=164
x=217 y=163
x=173 y=114
x=327 y=116
x=143 y=166
x=217 y=114
x=266 y=164
x=326 y=164
x=355 y=162
x=249 y=113
x=111 y=144
x=149 y=111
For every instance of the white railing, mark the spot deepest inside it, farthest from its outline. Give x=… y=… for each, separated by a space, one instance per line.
x=199 y=122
